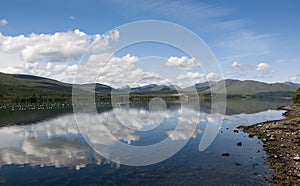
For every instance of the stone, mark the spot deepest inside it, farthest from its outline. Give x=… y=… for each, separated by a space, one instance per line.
x=296 y=158
x=250 y=136
x=225 y=154
x=239 y=144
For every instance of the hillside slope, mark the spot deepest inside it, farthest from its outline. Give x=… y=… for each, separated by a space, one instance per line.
x=28 y=88
x=250 y=87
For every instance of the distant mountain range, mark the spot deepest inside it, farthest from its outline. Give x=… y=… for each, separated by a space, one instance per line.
x=233 y=87
x=19 y=85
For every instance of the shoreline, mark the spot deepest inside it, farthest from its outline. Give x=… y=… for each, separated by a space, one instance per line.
x=281 y=141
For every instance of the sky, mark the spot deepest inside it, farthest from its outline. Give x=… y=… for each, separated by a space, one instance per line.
x=251 y=39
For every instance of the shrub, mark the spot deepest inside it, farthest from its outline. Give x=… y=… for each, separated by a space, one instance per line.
x=296 y=97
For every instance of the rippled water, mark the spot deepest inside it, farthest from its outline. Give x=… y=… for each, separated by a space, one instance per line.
x=53 y=152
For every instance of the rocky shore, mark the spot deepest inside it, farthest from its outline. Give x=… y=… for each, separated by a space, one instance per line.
x=281 y=140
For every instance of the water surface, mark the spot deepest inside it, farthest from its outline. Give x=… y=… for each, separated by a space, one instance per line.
x=51 y=151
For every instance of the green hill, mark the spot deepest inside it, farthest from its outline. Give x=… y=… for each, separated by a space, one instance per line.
x=27 y=88
x=18 y=88
x=255 y=88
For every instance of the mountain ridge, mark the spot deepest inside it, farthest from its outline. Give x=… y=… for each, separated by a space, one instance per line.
x=14 y=85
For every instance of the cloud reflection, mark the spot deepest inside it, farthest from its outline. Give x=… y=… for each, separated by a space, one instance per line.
x=58 y=142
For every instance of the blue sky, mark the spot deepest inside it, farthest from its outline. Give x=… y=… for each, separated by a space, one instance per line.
x=251 y=39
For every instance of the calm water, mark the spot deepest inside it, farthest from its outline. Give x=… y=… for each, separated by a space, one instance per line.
x=51 y=151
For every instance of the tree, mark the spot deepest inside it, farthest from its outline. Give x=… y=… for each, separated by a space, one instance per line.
x=296 y=97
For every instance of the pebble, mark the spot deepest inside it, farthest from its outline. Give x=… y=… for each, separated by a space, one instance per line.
x=250 y=136
x=225 y=154
x=296 y=158
x=272 y=137
x=239 y=143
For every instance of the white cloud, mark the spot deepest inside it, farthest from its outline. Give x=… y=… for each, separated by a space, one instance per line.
x=182 y=62
x=103 y=68
x=295 y=79
x=57 y=47
x=63 y=72
x=263 y=67
x=54 y=56
x=211 y=76
x=72 y=17
x=115 y=71
x=236 y=65
x=190 y=76
x=3 y=22
x=228 y=73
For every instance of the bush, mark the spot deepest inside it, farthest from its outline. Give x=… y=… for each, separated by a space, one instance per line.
x=296 y=97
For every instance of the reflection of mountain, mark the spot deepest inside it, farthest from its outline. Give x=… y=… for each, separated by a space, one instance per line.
x=244 y=105
x=23 y=117
x=249 y=106
x=57 y=142
x=233 y=106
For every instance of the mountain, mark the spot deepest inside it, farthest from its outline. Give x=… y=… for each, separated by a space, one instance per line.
x=153 y=88
x=28 y=88
x=251 y=88
x=27 y=83
x=291 y=84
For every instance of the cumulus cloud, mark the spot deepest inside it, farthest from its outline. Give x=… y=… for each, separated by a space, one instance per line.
x=55 y=55
x=103 y=68
x=236 y=65
x=211 y=76
x=62 y=72
x=3 y=22
x=263 y=67
x=115 y=71
x=182 y=62
x=57 y=47
x=190 y=76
